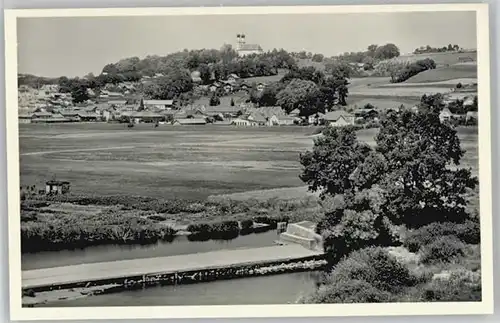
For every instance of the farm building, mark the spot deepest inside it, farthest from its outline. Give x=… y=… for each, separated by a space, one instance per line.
x=367 y=114
x=261 y=86
x=226 y=111
x=257 y=119
x=42 y=115
x=146 y=117
x=295 y=112
x=215 y=86
x=316 y=118
x=471 y=115
x=286 y=120
x=190 y=122
x=57 y=187
x=70 y=114
x=159 y=104
x=117 y=103
x=339 y=118
x=232 y=78
x=241 y=122
x=445 y=115
x=88 y=116
x=196 y=77
x=25 y=118
x=243 y=87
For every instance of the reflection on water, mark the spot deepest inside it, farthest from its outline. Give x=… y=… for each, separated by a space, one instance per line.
x=180 y=246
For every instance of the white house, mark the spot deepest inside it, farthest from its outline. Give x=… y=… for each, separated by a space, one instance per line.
x=241 y=122
x=190 y=122
x=445 y=115
x=339 y=118
x=158 y=104
x=232 y=78
x=286 y=120
x=315 y=118
x=261 y=86
x=471 y=115
x=272 y=121
x=117 y=103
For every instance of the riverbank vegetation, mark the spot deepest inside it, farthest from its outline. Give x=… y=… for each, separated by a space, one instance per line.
x=78 y=221
x=399 y=223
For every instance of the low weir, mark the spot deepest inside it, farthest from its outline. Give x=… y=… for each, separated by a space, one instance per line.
x=183 y=269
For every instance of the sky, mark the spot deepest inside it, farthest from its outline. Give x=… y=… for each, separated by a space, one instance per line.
x=75 y=46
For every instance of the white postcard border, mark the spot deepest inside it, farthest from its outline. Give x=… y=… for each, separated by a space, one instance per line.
x=249 y=311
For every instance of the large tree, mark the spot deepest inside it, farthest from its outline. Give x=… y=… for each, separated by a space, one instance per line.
x=387 y=51
x=412 y=177
x=298 y=94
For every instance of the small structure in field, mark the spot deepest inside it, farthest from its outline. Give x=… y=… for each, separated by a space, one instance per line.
x=57 y=187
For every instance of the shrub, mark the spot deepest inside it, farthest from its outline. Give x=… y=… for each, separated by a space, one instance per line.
x=157 y=217
x=246 y=224
x=413 y=69
x=443 y=249
x=460 y=286
x=459 y=86
x=29 y=292
x=375 y=266
x=348 y=291
x=468 y=232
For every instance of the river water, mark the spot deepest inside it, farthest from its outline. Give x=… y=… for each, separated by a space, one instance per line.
x=276 y=289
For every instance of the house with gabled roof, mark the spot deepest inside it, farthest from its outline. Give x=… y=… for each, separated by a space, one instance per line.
x=189 y=122
x=339 y=118
x=158 y=104
x=445 y=115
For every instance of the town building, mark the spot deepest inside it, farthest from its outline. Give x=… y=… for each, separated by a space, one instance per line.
x=57 y=187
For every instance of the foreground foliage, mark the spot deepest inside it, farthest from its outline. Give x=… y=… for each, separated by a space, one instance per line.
x=72 y=221
x=404 y=181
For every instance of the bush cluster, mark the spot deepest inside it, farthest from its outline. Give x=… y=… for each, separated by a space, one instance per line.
x=413 y=69
x=467 y=232
x=224 y=230
x=460 y=286
x=443 y=249
x=368 y=275
x=40 y=236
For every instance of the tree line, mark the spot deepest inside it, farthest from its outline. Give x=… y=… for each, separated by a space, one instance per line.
x=429 y=49
x=307 y=89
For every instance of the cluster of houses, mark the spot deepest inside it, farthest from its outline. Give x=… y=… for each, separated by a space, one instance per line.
x=165 y=112
x=233 y=83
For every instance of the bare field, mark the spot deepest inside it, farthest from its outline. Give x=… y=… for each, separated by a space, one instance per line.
x=167 y=162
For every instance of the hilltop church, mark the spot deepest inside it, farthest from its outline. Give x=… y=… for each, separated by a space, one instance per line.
x=244 y=49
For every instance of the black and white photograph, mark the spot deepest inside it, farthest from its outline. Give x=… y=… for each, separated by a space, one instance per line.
x=161 y=159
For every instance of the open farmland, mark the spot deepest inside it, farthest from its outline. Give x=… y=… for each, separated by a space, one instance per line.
x=173 y=162
x=464 y=70
x=441 y=59
x=167 y=162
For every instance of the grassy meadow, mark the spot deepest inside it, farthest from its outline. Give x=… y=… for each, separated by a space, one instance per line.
x=174 y=162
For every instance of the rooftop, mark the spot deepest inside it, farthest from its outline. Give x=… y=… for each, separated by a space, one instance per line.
x=249 y=47
x=335 y=115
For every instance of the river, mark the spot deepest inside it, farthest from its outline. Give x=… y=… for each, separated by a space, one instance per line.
x=277 y=289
